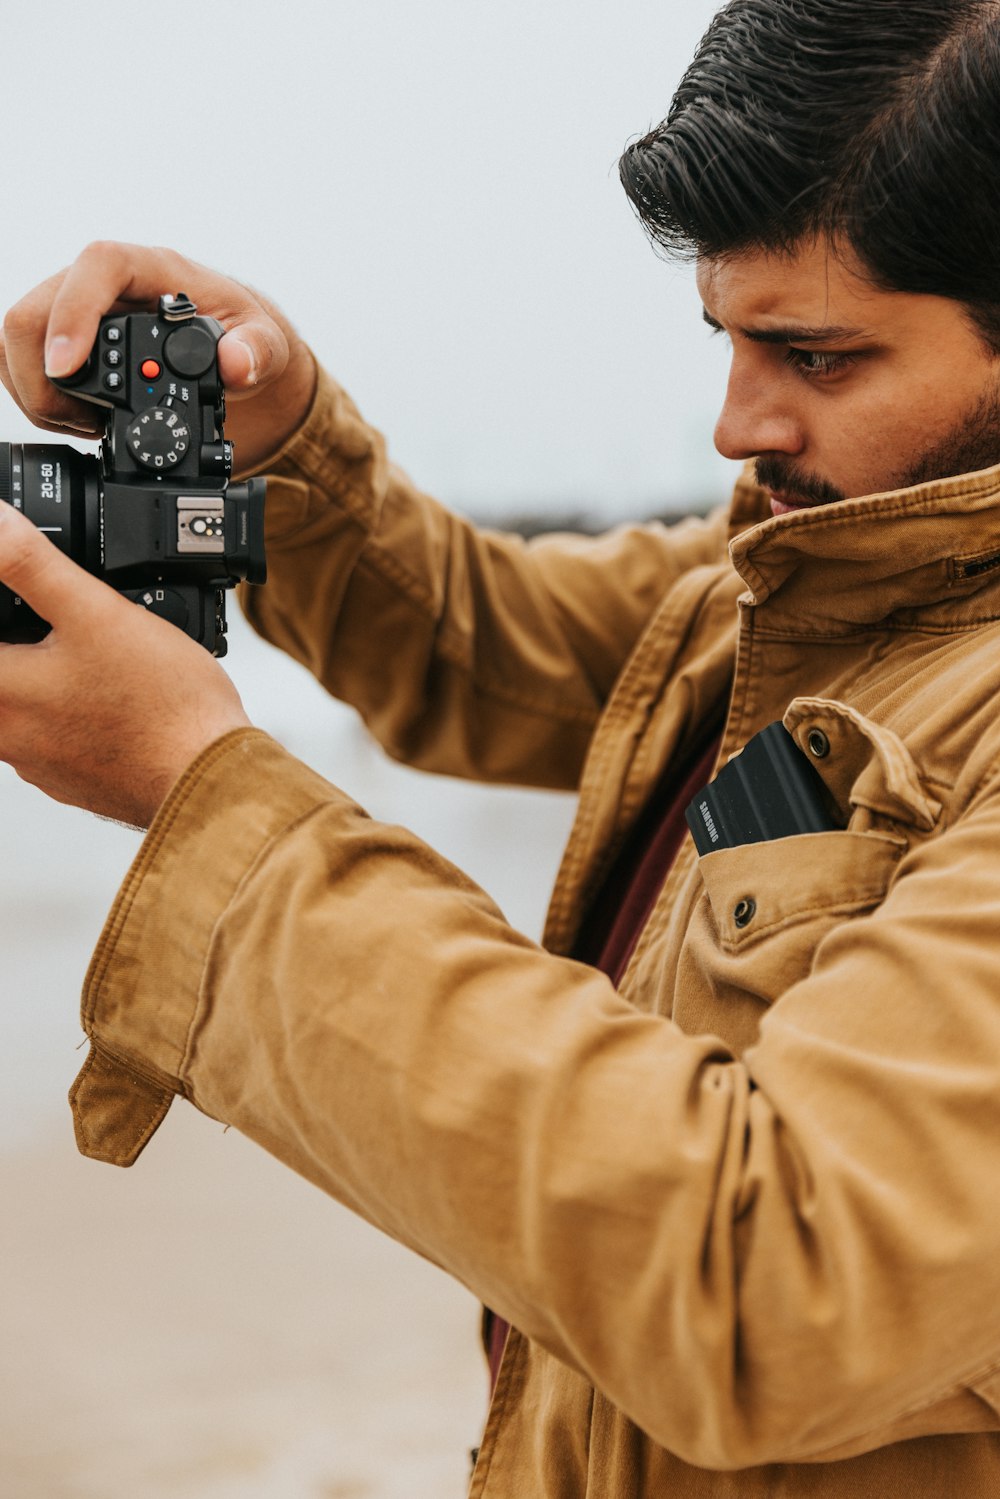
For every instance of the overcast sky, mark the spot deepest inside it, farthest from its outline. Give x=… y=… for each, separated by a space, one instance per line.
x=428 y=187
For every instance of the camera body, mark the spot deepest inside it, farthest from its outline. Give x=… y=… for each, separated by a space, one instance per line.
x=155 y=515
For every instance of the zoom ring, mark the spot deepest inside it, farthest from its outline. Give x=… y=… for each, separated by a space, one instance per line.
x=5 y=467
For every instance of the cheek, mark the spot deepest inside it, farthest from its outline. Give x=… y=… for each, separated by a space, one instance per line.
x=906 y=417
x=863 y=439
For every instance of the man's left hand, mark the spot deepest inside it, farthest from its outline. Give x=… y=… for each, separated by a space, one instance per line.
x=107 y=711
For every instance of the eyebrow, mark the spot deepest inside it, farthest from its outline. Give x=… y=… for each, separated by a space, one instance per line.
x=790 y=335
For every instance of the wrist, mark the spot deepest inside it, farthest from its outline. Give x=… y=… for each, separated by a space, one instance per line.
x=190 y=742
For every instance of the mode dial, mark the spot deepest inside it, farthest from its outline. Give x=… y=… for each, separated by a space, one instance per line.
x=158 y=438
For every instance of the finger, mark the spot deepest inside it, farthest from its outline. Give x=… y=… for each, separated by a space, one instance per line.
x=109 y=276
x=69 y=416
x=40 y=574
x=21 y=356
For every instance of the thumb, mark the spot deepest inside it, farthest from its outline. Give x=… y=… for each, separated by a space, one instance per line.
x=36 y=570
x=253 y=352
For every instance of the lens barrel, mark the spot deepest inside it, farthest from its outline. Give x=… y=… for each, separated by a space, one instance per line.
x=59 y=490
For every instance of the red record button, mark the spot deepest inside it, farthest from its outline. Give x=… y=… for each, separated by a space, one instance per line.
x=149 y=369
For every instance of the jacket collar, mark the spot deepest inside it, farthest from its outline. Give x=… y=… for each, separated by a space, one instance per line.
x=932 y=551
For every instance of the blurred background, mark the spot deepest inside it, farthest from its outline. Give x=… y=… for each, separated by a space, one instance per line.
x=429 y=188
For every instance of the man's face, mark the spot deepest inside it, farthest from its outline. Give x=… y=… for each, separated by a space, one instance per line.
x=840 y=390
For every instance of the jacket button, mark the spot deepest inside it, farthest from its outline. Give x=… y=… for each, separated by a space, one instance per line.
x=818 y=744
x=745 y=913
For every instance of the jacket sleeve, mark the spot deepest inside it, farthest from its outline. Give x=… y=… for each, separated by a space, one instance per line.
x=786 y=1258
x=468 y=652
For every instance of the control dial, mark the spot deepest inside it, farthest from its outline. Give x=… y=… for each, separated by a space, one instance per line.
x=189 y=351
x=158 y=438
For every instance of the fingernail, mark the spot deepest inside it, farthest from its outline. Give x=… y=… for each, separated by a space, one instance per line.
x=251 y=375
x=59 y=356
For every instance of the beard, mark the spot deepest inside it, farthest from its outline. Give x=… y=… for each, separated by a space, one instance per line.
x=972 y=446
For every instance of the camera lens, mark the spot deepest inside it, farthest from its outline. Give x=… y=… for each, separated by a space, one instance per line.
x=59 y=490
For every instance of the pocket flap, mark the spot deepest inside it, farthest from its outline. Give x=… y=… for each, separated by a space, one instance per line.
x=757 y=888
x=864 y=764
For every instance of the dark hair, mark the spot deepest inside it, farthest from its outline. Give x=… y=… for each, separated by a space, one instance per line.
x=875 y=122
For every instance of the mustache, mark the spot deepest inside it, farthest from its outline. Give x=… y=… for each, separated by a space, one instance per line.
x=782 y=477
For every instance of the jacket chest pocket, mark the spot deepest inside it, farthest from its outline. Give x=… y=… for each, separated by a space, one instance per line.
x=764 y=908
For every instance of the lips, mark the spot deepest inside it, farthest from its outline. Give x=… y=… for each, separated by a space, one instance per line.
x=785 y=504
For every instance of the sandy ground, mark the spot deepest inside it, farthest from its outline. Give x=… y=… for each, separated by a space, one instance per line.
x=208 y=1325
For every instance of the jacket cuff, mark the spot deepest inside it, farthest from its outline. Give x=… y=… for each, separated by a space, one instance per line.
x=143 y=990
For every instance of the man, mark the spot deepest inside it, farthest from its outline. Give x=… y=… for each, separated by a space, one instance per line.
x=730 y=1177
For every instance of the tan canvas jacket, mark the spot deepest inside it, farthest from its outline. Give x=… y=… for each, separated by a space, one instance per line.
x=744 y=1212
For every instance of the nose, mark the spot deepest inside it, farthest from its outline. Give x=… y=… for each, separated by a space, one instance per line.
x=756 y=417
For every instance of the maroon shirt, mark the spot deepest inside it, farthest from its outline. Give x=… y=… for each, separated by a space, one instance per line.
x=622 y=908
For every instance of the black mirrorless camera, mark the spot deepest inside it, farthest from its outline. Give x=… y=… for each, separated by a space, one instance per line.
x=155 y=514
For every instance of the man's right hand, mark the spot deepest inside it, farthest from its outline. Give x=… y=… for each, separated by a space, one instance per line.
x=268 y=372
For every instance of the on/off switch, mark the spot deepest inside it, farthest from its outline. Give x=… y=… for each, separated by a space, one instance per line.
x=149 y=369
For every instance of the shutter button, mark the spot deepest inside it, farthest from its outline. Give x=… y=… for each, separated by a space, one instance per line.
x=818 y=743
x=745 y=913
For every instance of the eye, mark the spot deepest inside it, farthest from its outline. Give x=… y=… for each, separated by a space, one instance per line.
x=813 y=364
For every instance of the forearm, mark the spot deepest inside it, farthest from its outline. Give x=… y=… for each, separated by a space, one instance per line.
x=467 y=652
